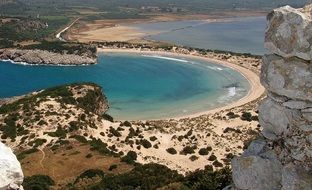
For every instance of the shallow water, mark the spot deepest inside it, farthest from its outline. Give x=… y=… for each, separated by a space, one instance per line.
x=243 y=35
x=137 y=87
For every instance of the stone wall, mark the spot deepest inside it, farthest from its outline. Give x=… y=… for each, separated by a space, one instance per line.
x=282 y=158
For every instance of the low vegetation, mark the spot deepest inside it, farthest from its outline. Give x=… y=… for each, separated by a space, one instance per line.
x=38 y=182
x=130 y=158
x=153 y=176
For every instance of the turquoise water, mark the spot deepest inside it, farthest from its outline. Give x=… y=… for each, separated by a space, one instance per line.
x=137 y=86
x=244 y=35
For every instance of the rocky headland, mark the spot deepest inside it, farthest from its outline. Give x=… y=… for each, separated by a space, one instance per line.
x=282 y=157
x=44 y=57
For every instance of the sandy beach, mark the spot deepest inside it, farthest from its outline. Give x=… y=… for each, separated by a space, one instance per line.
x=256 y=89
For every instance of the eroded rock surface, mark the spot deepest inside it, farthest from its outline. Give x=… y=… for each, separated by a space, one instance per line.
x=43 y=57
x=283 y=158
x=11 y=175
x=289 y=32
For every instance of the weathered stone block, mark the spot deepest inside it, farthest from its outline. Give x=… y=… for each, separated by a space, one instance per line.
x=289 y=32
x=294 y=178
x=275 y=118
x=287 y=77
x=256 y=173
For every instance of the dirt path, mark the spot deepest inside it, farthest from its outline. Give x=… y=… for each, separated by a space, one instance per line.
x=43 y=157
x=59 y=35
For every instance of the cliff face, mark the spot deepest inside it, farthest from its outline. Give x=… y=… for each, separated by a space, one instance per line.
x=45 y=57
x=282 y=159
x=11 y=175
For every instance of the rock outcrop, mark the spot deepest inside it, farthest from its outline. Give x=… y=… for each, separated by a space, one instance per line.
x=282 y=159
x=42 y=57
x=11 y=175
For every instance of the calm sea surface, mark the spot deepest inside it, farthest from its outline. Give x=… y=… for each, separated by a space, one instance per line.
x=244 y=35
x=137 y=86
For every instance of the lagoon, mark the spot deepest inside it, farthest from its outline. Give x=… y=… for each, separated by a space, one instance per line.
x=137 y=86
x=242 y=35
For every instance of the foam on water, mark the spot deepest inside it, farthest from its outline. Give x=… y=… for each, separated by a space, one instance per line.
x=231 y=92
x=215 y=68
x=166 y=58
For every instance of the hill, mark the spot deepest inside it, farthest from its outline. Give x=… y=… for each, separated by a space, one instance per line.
x=63 y=138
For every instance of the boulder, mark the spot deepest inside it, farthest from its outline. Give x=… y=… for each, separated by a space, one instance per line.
x=296 y=178
x=257 y=172
x=287 y=77
x=11 y=175
x=275 y=118
x=289 y=32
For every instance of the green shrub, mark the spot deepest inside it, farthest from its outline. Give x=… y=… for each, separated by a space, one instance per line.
x=203 y=151
x=74 y=126
x=80 y=138
x=130 y=158
x=90 y=101
x=193 y=158
x=38 y=182
x=171 y=150
x=112 y=167
x=148 y=176
x=23 y=154
x=187 y=150
x=153 y=138
x=232 y=115
x=100 y=146
x=212 y=157
x=37 y=142
x=60 y=132
x=254 y=118
x=208 y=180
x=216 y=163
x=108 y=117
x=145 y=143
x=246 y=116
x=89 y=174
x=126 y=123
x=114 y=132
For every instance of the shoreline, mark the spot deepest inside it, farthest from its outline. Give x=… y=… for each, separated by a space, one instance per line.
x=256 y=89
x=44 y=57
x=41 y=64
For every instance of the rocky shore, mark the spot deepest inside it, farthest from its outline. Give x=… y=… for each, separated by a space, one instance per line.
x=43 y=57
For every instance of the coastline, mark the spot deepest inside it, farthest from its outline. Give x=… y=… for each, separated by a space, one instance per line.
x=255 y=92
x=44 y=57
x=41 y=64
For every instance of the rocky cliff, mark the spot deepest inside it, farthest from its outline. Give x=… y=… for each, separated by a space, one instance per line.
x=282 y=158
x=11 y=175
x=44 y=57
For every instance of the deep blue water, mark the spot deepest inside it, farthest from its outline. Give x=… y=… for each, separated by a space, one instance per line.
x=137 y=87
x=244 y=35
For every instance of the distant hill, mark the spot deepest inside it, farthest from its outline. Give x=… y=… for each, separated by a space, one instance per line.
x=61 y=6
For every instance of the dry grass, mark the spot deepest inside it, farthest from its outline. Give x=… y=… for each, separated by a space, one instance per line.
x=64 y=165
